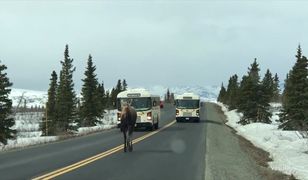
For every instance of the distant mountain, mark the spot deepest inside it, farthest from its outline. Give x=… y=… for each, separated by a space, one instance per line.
x=28 y=97
x=39 y=98
x=207 y=93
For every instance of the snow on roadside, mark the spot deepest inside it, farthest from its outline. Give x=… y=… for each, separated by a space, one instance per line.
x=287 y=148
x=109 y=121
x=28 y=133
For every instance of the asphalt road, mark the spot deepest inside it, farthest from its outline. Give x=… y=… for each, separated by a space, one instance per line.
x=183 y=151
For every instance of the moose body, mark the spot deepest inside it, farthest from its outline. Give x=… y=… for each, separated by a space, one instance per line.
x=128 y=121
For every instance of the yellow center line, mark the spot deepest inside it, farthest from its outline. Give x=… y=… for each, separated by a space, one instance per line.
x=89 y=160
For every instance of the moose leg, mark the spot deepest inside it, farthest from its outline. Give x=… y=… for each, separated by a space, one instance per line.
x=128 y=140
x=130 y=133
x=125 y=140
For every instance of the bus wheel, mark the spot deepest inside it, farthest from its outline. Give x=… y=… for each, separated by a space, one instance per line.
x=152 y=127
x=156 y=125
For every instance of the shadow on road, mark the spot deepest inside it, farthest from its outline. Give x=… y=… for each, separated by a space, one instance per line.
x=175 y=128
x=153 y=151
x=212 y=122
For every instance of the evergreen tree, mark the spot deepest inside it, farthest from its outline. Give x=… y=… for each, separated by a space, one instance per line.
x=6 y=120
x=276 y=89
x=66 y=97
x=295 y=104
x=108 y=100
x=268 y=86
x=115 y=91
x=91 y=104
x=113 y=97
x=222 y=94
x=118 y=88
x=265 y=94
x=231 y=97
x=287 y=88
x=172 y=98
x=124 y=86
x=253 y=101
x=167 y=97
x=49 y=121
x=102 y=95
x=247 y=100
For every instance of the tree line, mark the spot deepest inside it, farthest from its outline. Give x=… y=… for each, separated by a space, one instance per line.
x=65 y=111
x=251 y=96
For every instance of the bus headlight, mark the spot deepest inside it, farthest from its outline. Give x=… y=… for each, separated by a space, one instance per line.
x=149 y=116
x=119 y=116
x=177 y=112
x=197 y=112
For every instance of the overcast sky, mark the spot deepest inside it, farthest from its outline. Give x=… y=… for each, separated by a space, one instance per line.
x=150 y=42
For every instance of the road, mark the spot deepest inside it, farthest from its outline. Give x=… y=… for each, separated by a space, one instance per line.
x=184 y=151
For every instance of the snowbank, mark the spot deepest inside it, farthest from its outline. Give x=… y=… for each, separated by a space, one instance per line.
x=28 y=129
x=287 y=148
x=109 y=121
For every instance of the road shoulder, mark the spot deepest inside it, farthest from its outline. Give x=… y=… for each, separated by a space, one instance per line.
x=259 y=156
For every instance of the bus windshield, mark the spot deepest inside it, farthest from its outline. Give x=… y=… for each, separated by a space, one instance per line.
x=187 y=104
x=140 y=104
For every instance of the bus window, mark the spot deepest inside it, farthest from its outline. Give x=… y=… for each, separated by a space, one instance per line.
x=187 y=104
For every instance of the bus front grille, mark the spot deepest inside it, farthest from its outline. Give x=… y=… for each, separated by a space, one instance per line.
x=187 y=114
x=138 y=119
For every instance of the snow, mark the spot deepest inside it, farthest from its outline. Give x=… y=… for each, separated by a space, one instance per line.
x=109 y=121
x=28 y=129
x=288 y=149
x=33 y=98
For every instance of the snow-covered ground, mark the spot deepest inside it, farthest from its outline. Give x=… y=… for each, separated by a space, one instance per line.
x=32 y=98
x=288 y=149
x=28 y=129
x=109 y=121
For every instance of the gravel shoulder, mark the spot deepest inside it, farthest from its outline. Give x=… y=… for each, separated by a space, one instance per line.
x=230 y=156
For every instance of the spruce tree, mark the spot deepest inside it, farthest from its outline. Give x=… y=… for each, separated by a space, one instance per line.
x=168 y=96
x=296 y=105
x=231 y=97
x=247 y=100
x=283 y=117
x=118 y=87
x=124 y=86
x=268 y=85
x=113 y=97
x=222 y=94
x=253 y=101
x=102 y=95
x=91 y=104
x=108 y=100
x=6 y=119
x=49 y=121
x=66 y=97
x=276 y=89
x=265 y=94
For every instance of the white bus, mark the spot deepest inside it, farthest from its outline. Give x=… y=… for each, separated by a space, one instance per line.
x=187 y=107
x=146 y=105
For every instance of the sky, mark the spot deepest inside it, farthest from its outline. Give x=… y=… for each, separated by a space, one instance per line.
x=150 y=42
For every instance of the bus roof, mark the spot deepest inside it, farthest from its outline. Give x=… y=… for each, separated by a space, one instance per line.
x=188 y=96
x=135 y=93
